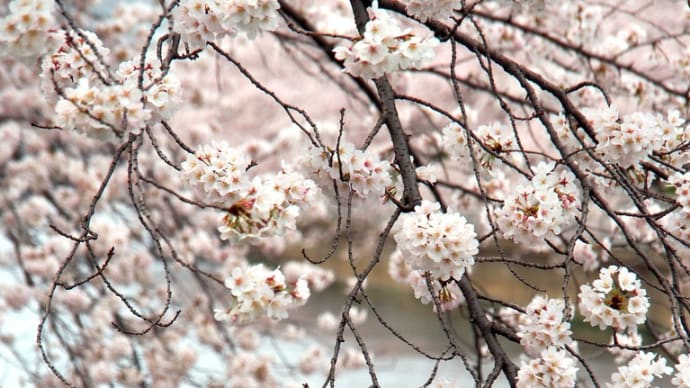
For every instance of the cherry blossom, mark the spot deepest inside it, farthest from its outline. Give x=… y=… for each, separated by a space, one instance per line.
x=165 y=208
x=541 y=208
x=448 y=294
x=436 y=9
x=260 y=207
x=363 y=171
x=385 y=47
x=27 y=31
x=621 y=341
x=553 y=368
x=627 y=140
x=682 y=376
x=544 y=326
x=260 y=292
x=201 y=21
x=681 y=183
x=640 y=371
x=616 y=299
x=441 y=243
x=496 y=138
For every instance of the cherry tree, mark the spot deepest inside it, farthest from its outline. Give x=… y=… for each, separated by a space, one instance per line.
x=179 y=178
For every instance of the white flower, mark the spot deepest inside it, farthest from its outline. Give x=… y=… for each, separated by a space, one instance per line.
x=620 y=353
x=384 y=48
x=608 y=302
x=682 y=376
x=317 y=277
x=26 y=31
x=627 y=141
x=432 y=9
x=106 y=111
x=363 y=171
x=639 y=372
x=442 y=243
x=260 y=207
x=72 y=60
x=539 y=209
x=681 y=184
x=495 y=137
x=448 y=293
x=357 y=315
x=260 y=292
x=426 y=173
x=553 y=369
x=250 y=16
x=201 y=21
x=455 y=141
x=586 y=255
x=198 y=21
x=218 y=173
x=544 y=325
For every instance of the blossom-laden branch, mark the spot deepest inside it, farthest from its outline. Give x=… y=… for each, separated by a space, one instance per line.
x=165 y=168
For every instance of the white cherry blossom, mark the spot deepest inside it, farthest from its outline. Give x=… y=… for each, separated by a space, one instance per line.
x=553 y=369
x=260 y=292
x=441 y=243
x=616 y=299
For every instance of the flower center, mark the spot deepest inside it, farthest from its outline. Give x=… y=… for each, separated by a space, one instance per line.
x=617 y=300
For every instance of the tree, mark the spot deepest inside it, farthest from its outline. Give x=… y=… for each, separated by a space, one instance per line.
x=179 y=177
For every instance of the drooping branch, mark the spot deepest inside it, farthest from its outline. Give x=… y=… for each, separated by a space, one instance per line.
x=411 y=195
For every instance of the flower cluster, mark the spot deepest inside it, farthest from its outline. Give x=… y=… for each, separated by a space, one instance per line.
x=252 y=16
x=495 y=137
x=161 y=95
x=250 y=369
x=588 y=256
x=218 y=173
x=553 y=369
x=441 y=243
x=198 y=22
x=108 y=112
x=201 y=21
x=98 y=112
x=258 y=292
x=91 y=101
x=260 y=207
x=674 y=132
x=385 y=47
x=26 y=31
x=455 y=141
x=615 y=299
x=589 y=19
x=682 y=376
x=270 y=207
x=573 y=139
x=681 y=183
x=449 y=294
x=333 y=17
x=544 y=326
x=317 y=277
x=678 y=224
x=77 y=57
x=621 y=345
x=539 y=209
x=437 y=9
x=363 y=171
x=639 y=372
x=625 y=141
